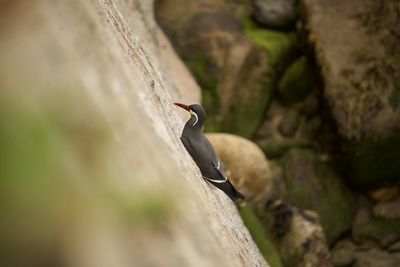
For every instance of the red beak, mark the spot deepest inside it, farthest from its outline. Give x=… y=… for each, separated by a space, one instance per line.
x=182 y=106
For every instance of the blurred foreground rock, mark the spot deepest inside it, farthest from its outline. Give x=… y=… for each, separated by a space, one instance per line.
x=92 y=169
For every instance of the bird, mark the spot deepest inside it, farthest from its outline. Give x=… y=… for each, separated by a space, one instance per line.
x=203 y=153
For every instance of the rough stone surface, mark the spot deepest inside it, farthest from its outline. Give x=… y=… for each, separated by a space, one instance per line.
x=312 y=184
x=359 y=78
x=362 y=77
x=93 y=171
x=244 y=163
x=275 y=13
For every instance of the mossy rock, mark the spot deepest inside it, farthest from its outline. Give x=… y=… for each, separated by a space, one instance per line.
x=343 y=253
x=289 y=123
x=261 y=236
x=202 y=69
x=234 y=72
x=297 y=81
x=281 y=47
x=382 y=231
x=311 y=128
x=253 y=96
x=312 y=184
x=373 y=163
x=277 y=148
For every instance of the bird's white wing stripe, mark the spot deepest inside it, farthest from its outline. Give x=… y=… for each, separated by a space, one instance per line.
x=216 y=181
x=219 y=165
x=197 y=119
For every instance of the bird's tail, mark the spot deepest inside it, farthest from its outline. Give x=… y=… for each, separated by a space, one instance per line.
x=230 y=191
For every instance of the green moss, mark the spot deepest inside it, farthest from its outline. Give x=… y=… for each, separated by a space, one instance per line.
x=374 y=162
x=249 y=113
x=281 y=47
x=382 y=231
x=261 y=236
x=297 y=81
x=201 y=68
x=277 y=148
x=313 y=184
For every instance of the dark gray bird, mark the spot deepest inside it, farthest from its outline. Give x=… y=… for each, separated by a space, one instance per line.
x=203 y=153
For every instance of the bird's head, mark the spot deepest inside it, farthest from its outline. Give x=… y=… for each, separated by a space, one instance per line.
x=197 y=114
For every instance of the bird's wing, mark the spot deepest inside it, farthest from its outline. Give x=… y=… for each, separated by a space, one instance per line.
x=206 y=159
x=186 y=143
x=219 y=169
x=216 y=162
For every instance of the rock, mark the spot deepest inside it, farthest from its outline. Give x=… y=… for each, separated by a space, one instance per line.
x=289 y=123
x=300 y=238
x=373 y=162
x=261 y=236
x=296 y=83
x=312 y=184
x=361 y=82
x=275 y=13
x=276 y=148
x=244 y=163
x=367 y=227
x=269 y=128
x=388 y=209
x=311 y=129
x=343 y=253
x=176 y=71
x=234 y=72
x=93 y=172
x=376 y=257
x=269 y=137
x=310 y=105
x=395 y=247
x=355 y=68
x=281 y=47
x=385 y=193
